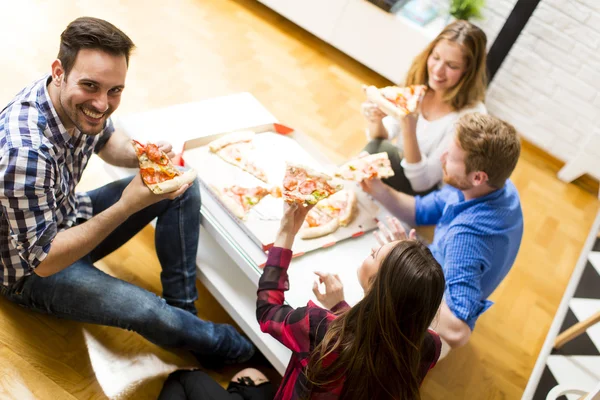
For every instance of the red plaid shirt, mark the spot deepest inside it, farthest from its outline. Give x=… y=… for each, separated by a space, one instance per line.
x=302 y=329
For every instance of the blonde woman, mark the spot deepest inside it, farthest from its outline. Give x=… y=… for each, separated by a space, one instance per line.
x=453 y=67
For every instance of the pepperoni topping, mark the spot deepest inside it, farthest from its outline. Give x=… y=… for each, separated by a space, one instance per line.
x=290 y=183
x=156 y=155
x=311 y=221
x=307 y=187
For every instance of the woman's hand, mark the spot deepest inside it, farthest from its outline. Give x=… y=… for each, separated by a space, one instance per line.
x=334 y=290
x=371 y=112
x=293 y=218
x=392 y=231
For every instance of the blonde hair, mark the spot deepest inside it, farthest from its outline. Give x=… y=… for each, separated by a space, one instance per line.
x=491 y=145
x=470 y=89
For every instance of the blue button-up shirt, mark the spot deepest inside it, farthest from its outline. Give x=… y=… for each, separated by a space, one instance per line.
x=475 y=241
x=40 y=165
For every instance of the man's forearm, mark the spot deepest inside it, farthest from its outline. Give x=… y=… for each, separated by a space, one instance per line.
x=118 y=151
x=401 y=205
x=74 y=243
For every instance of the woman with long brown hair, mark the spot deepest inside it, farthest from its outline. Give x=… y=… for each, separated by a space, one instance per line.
x=381 y=347
x=453 y=67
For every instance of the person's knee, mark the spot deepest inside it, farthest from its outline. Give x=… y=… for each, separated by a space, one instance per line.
x=192 y=195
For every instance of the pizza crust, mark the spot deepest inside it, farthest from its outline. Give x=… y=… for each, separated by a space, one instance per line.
x=350 y=211
x=235 y=137
x=413 y=99
x=229 y=203
x=308 y=232
x=375 y=96
x=173 y=184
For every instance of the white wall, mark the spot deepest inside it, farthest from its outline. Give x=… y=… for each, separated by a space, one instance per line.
x=495 y=14
x=549 y=85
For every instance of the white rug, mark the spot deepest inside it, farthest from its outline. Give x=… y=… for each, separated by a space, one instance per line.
x=120 y=370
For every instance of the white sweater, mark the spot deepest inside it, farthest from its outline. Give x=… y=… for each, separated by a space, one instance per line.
x=433 y=138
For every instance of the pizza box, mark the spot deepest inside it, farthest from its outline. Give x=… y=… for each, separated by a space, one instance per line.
x=274 y=144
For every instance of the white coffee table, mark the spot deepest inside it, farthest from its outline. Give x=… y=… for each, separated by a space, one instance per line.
x=227 y=256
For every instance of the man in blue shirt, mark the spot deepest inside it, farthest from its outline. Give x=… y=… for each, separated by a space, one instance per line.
x=478 y=218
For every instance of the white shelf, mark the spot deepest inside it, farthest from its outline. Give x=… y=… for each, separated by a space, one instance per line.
x=384 y=42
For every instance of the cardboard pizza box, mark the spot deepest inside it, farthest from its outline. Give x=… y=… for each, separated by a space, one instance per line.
x=274 y=144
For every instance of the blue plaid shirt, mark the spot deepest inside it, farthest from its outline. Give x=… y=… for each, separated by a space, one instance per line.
x=40 y=165
x=475 y=241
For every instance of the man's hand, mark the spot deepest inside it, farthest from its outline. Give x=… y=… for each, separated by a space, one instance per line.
x=138 y=196
x=392 y=231
x=167 y=148
x=376 y=188
x=293 y=218
x=334 y=290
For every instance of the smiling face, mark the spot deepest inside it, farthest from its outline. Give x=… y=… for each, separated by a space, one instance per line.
x=445 y=65
x=371 y=264
x=92 y=90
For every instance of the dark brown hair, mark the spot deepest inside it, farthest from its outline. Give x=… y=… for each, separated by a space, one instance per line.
x=378 y=341
x=491 y=145
x=470 y=89
x=92 y=33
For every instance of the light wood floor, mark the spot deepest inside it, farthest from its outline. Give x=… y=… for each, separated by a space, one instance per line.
x=191 y=50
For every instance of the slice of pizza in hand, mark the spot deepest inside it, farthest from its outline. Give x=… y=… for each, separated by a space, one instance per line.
x=157 y=170
x=239 y=200
x=397 y=101
x=341 y=205
x=236 y=149
x=306 y=186
x=368 y=167
x=318 y=223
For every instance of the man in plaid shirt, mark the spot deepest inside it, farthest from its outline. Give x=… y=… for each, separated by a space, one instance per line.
x=51 y=236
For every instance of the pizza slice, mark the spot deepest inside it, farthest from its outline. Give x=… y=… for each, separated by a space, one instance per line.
x=236 y=149
x=157 y=170
x=397 y=101
x=305 y=185
x=341 y=205
x=239 y=200
x=318 y=223
x=368 y=167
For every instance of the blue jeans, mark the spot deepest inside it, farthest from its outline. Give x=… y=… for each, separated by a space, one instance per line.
x=81 y=292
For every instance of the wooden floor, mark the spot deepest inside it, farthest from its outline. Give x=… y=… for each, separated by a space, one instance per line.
x=190 y=50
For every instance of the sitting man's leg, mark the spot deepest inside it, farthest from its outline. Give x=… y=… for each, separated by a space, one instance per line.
x=111 y=302
x=82 y=292
x=176 y=237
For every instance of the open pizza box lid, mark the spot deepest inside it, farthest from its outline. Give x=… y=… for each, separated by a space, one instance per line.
x=274 y=144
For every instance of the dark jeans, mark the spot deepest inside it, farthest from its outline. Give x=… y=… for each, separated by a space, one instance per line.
x=81 y=292
x=197 y=385
x=399 y=181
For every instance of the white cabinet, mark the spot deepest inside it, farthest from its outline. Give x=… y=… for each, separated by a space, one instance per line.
x=379 y=40
x=319 y=17
x=384 y=42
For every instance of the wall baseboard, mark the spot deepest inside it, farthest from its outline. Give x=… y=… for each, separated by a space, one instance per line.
x=547 y=161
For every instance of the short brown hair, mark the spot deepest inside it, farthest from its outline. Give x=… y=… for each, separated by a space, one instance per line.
x=471 y=87
x=92 y=33
x=491 y=145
